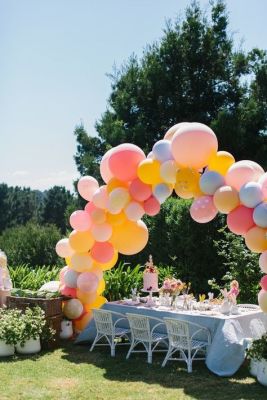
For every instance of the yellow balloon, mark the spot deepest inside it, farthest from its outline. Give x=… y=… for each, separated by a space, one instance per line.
x=81 y=323
x=81 y=241
x=115 y=183
x=111 y=263
x=187 y=183
x=221 y=162
x=81 y=262
x=130 y=237
x=67 y=259
x=86 y=297
x=116 y=219
x=101 y=287
x=99 y=301
x=256 y=239
x=226 y=199
x=149 y=171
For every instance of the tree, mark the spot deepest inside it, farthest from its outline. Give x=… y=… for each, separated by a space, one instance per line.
x=192 y=74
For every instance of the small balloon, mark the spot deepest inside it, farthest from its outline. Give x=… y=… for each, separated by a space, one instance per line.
x=162 y=191
x=102 y=232
x=81 y=241
x=134 y=211
x=262 y=300
x=80 y=220
x=226 y=199
x=240 y=220
x=168 y=171
x=263 y=282
x=124 y=160
x=70 y=278
x=73 y=309
x=210 y=181
x=149 y=171
x=162 y=151
x=203 y=210
x=152 y=206
x=260 y=215
x=220 y=162
x=67 y=291
x=102 y=252
x=251 y=194
x=63 y=248
x=139 y=190
x=87 y=186
x=81 y=262
x=243 y=172
x=263 y=262
x=100 y=197
x=256 y=239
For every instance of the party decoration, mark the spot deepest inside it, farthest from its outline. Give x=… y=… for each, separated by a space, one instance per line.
x=256 y=239
x=63 y=248
x=240 y=220
x=263 y=282
x=102 y=232
x=221 y=162
x=162 y=191
x=81 y=241
x=73 y=309
x=203 y=210
x=168 y=171
x=187 y=182
x=87 y=282
x=260 y=215
x=263 y=262
x=262 y=299
x=87 y=186
x=162 y=151
x=70 y=278
x=130 y=237
x=210 y=181
x=251 y=194
x=100 y=197
x=152 y=206
x=81 y=262
x=149 y=171
x=118 y=199
x=243 y=172
x=102 y=252
x=124 y=160
x=139 y=190
x=226 y=199
x=134 y=211
x=80 y=220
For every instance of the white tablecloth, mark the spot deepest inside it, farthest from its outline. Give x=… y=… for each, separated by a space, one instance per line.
x=227 y=351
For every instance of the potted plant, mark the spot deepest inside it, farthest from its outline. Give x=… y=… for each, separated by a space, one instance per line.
x=257 y=353
x=9 y=331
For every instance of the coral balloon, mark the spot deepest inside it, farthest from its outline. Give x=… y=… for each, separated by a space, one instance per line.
x=187 y=182
x=260 y=215
x=256 y=239
x=203 y=210
x=124 y=160
x=83 y=322
x=86 y=297
x=263 y=262
x=240 y=220
x=73 y=309
x=221 y=162
x=243 y=172
x=67 y=291
x=81 y=262
x=134 y=211
x=193 y=144
x=100 y=197
x=251 y=194
x=116 y=219
x=263 y=282
x=102 y=232
x=70 y=278
x=149 y=171
x=262 y=300
x=210 y=181
x=162 y=151
x=87 y=282
x=87 y=186
x=139 y=190
x=111 y=263
x=101 y=287
x=118 y=199
x=130 y=237
x=263 y=183
x=226 y=199
x=102 y=252
x=168 y=171
x=63 y=248
x=80 y=220
x=104 y=167
x=162 y=191
x=152 y=206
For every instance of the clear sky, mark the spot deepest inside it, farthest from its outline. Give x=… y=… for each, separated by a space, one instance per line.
x=54 y=58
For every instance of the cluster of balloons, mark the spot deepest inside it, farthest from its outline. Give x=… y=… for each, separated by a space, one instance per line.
x=186 y=161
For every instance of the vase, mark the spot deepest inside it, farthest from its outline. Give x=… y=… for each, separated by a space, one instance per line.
x=31 y=346
x=262 y=372
x=6 y=349
x=253 y=367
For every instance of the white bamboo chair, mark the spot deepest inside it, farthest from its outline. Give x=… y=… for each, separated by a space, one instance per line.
x=142 y=333
x=107 y=329
x=181 y=340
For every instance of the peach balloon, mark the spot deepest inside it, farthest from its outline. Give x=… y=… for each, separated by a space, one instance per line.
x=226 y=199
x=139 y=190
x=87 y=282
x=102 y=252
x=116 y=219
x=73 y=309
x=243 y=172
x=63 y=248
x=102 y=232
x=87 y=186
x=124 y=160
x=67 y=291
x=101 y=287
x=100 y=197
x=263 y=262
x=262 y=300
x=81 y=241
x=134 y=211
x=240 y=220
x=86 y=297
x=203 y=210
x=130 y=237
x=152 y=206
x=81 y=324
x=149 y=171
x=193 y=144
x=80 y=220
x=256 y=239
x=221 y=162
x=104 y=167
x=81 y=262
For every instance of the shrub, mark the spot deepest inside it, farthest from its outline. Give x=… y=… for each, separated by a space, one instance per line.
x=26 y=277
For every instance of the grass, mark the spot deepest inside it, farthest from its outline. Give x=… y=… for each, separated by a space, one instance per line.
x=74 y=373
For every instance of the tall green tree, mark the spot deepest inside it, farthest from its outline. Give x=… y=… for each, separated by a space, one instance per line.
x=192 y=74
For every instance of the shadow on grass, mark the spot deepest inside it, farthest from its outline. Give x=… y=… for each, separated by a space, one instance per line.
x=200 y=385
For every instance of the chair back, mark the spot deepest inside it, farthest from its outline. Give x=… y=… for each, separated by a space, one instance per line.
x=257 y=328
x=178 y=332
x=140 y=327
x=103 y=321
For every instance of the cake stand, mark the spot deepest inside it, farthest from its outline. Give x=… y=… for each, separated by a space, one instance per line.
x=150 y=301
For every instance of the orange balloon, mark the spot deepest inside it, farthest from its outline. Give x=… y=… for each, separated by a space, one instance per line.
x=101 y=287
x=256 y=239
x=67 y=259
x=115 y=183
x=82 y=323
x=86 y=298
x=81 y=241
x=111 y=263
x=130 y=237
x=99 y=301
x=116 y=219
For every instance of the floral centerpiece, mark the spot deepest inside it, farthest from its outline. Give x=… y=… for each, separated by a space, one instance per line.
x=173 y=287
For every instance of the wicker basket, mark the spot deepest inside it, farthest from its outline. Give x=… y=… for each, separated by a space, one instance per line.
x=51 y=307
x=54 y=323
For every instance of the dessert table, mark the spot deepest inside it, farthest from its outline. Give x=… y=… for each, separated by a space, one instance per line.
x=227 y=351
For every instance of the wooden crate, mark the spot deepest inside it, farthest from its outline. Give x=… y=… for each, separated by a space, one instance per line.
x=51 y=307
x=54 y=323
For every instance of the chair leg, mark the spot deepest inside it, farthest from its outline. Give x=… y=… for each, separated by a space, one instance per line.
x=130 y=350
x=166 y=357
x=94 y=343
x=189 y=362
x=112 y=348
x=149 y=354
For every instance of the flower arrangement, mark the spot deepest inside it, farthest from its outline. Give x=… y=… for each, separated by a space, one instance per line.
x=150 y=267
x=172 y=286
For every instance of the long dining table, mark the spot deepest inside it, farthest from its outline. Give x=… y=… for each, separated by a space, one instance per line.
x=227 y=350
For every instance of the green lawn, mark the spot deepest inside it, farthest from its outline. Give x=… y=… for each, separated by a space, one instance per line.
x=74 y=373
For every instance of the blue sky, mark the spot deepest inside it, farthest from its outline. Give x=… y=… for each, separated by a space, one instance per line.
x=54 y=58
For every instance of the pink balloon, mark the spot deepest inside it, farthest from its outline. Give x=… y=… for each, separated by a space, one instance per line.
x=263 y=183
x=80 y=220
x=263 y=282
x=124 y=160
x=67 y=291
x=203 y=209
x=87 y=282
x=262 y=299
x=98 y=271
x=100 y=197
x=102 y=232
x=240 y=220
x=104 y=167
x=139 y=190
x=243 y=172
x=87 y=186
x=263 y=262
x=63 y=248
x=152 y=206
x=102 y=252
x=62 y=273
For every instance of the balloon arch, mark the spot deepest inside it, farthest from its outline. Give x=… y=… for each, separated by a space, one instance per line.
x=187 y=160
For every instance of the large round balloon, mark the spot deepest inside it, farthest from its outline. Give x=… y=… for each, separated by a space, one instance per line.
x=63 y=248
x=73 y=309
x=173 y=129
x=162 y=151
x=243 y=172
x=87 y=186
x=81 y=241
x=262 y=300
x=260 y=215
x=87 y=282
x=102 y=252
x=240 y=220
x=81 y=262
x=80 y=220
x=251 y=194
x=104 y=167
x=193 y=144
x=139 y=190
x=226 y=199
x=263 y=262
x=210 y=181
x=256 y=239
x=124 y=160
x=203 y=210
x=130 y=237
x=221 y=162
x=149 y=171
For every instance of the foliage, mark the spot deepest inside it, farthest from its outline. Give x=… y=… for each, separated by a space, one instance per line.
x=242 y=264
x=258 y=349
x=31 y=324
x=193 y=73
x=34 y=294
x=9 y=327
x=31 y=244
x=26 y=277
